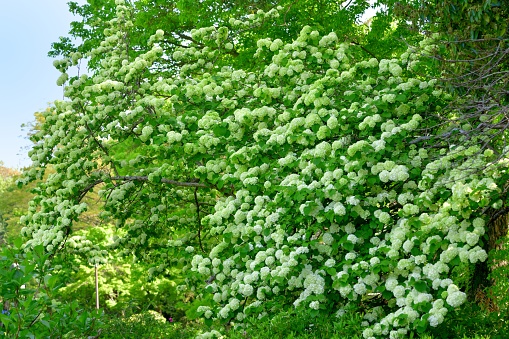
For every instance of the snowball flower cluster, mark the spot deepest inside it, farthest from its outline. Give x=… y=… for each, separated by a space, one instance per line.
x=299 y=176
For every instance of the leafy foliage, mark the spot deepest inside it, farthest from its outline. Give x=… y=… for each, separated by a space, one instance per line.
x=463 y=21
x=147 y=324
x=13 y=203
x=299 y=324
x=28 y=291
x=274 y=164
x=126 y=287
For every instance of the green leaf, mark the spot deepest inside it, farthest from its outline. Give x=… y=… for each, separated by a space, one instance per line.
x=227 y=237
x=244 y=249
x=401 y=98
x=45 y=323
x=348 y=246
x=314 y=313
x=421 y=286
x=387 y=295
x=455 y=261
x=421 y=325
x=372 y=180
x=221 y=130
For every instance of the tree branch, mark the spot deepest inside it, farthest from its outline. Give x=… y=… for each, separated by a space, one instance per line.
x=138 y=178
x=163 y=180
x=364 y=49
x=198 y=218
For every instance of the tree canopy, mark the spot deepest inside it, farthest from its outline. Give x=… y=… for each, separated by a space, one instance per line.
x=284 y=152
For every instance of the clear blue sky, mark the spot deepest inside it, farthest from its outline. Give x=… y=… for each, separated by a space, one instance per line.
x=27 y=76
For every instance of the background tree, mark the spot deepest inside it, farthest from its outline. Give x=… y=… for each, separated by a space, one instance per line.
x=11 y=202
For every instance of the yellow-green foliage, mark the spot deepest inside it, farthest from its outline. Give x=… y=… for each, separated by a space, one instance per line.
x=125 y=284
x=13 y=202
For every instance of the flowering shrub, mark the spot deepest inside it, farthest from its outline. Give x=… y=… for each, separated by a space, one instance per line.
x=305 y=170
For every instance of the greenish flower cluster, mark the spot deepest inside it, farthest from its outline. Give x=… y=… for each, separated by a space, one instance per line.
x=318 y=194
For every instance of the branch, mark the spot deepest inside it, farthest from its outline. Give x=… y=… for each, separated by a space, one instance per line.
x=364 y=49
x=99 y=144
x=444 y=136
x=187 y=37
x=163 y=180
x=138 y=178
x=198 y=219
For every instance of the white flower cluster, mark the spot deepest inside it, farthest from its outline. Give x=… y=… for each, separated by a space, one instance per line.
x=314 y=184
x=399 y=242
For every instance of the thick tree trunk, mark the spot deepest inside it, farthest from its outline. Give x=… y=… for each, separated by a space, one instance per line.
x=480 y=281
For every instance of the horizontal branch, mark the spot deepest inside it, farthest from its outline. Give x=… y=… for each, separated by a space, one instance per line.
x=138 y=178
x=163 y=180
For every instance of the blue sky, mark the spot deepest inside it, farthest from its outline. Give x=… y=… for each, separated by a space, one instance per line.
x=27 y=76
